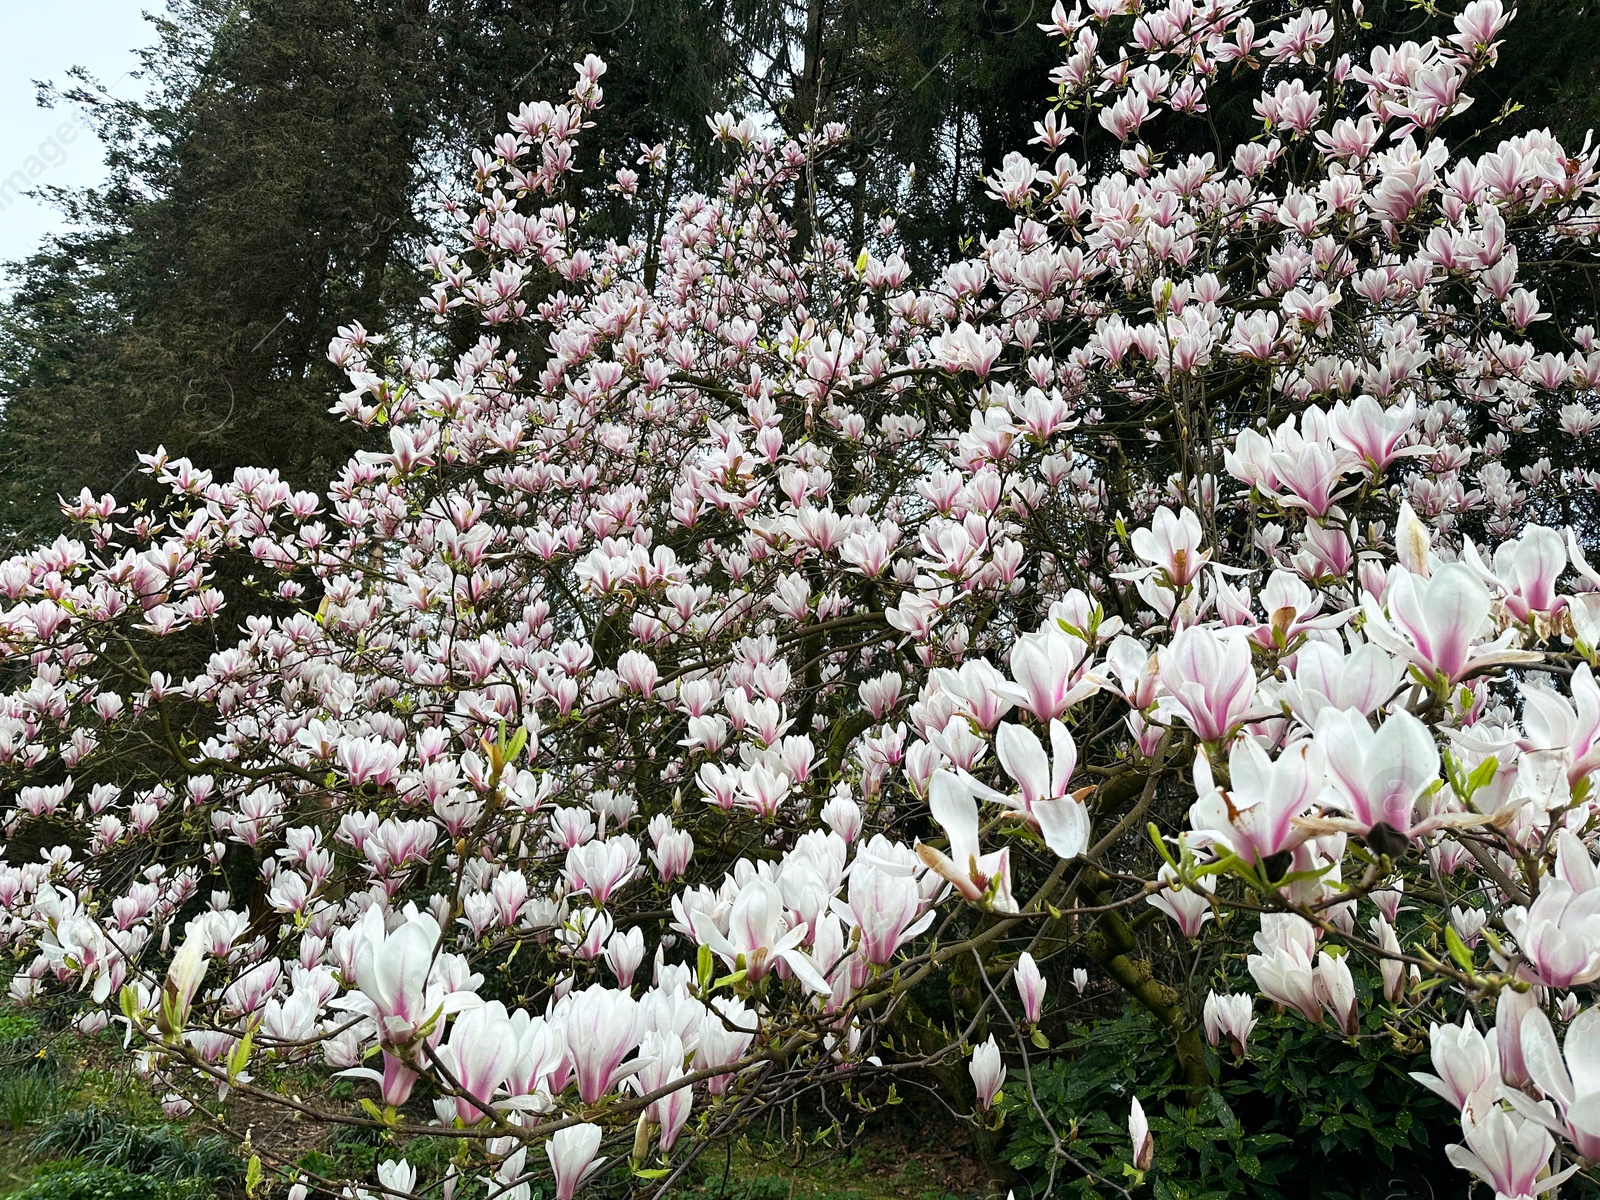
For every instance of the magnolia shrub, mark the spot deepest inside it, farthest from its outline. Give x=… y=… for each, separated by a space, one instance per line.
x=737 y=632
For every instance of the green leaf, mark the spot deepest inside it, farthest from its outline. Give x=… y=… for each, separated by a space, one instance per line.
x=1482 y=774
x=1161 y=844
x=518 y=741
x=239 y=1056
x=706 y=966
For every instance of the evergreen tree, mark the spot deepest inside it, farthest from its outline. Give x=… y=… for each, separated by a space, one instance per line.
x=259 y=197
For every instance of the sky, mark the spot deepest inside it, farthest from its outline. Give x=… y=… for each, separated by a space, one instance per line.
x=43 y=40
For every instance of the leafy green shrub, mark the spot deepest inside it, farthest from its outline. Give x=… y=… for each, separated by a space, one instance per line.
x=357 y=1150
x=111 y=1183
x=20 y=1043
x=16 y=1023
x=1308 y=1116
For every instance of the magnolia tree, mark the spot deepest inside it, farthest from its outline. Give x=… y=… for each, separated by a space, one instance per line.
x=737 y=635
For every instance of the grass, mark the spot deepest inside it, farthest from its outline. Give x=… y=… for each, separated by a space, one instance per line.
x=27 y=1098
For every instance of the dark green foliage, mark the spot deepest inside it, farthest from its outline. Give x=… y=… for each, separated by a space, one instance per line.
x=1550 y=66
x=19 y=1037
x=1308 y=1116
x=111 y=1183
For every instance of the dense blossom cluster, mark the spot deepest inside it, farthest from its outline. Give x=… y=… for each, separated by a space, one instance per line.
x=737 y=633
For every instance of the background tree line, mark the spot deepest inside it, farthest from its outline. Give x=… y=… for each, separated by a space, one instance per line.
x=268 y=186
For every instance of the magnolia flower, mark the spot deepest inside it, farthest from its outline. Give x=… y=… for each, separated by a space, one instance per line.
x=1584 y=612
x=1190 y=909
x=404 y=984
x=1373 y=432
x=1554 y=722
x=1390 y=965
x=1030 y=987
x=1437 y=623
x=957 y=742
x=541 y=1050
x=886 y=907
x=758 y=935
x=1256 y=818
x=1507 y=1151
x=1051 y=672
x=1230 y=1015
x=1325 y=678
x=1144 y=1146
x=1571 y=1082
x=1282 y=969
x=1377 y=777
x=1509 y=1011
x=602 y=1029
x=1210 y=676
x=842 y=815
x=1171 y=544
x=988 y=1072
x=1413 y=542
x=726 y=1030
x=624 y=952
x=1062 y=819
x=1559 y=934
x=395 y=1081
x=572 y=1157
x=396 y=1177
x=1135 y=669
x=479 y=1056
x=975 y=876
x=1336 y=990
x=601 y=866
x=662 y=1054
x=966 y=349
x=1528 y=568
x=981 y=689
x=1464 y=1059
x=1477 y=26
x=187 y=969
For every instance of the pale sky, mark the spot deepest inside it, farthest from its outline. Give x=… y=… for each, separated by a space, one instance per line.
x=42 y=40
